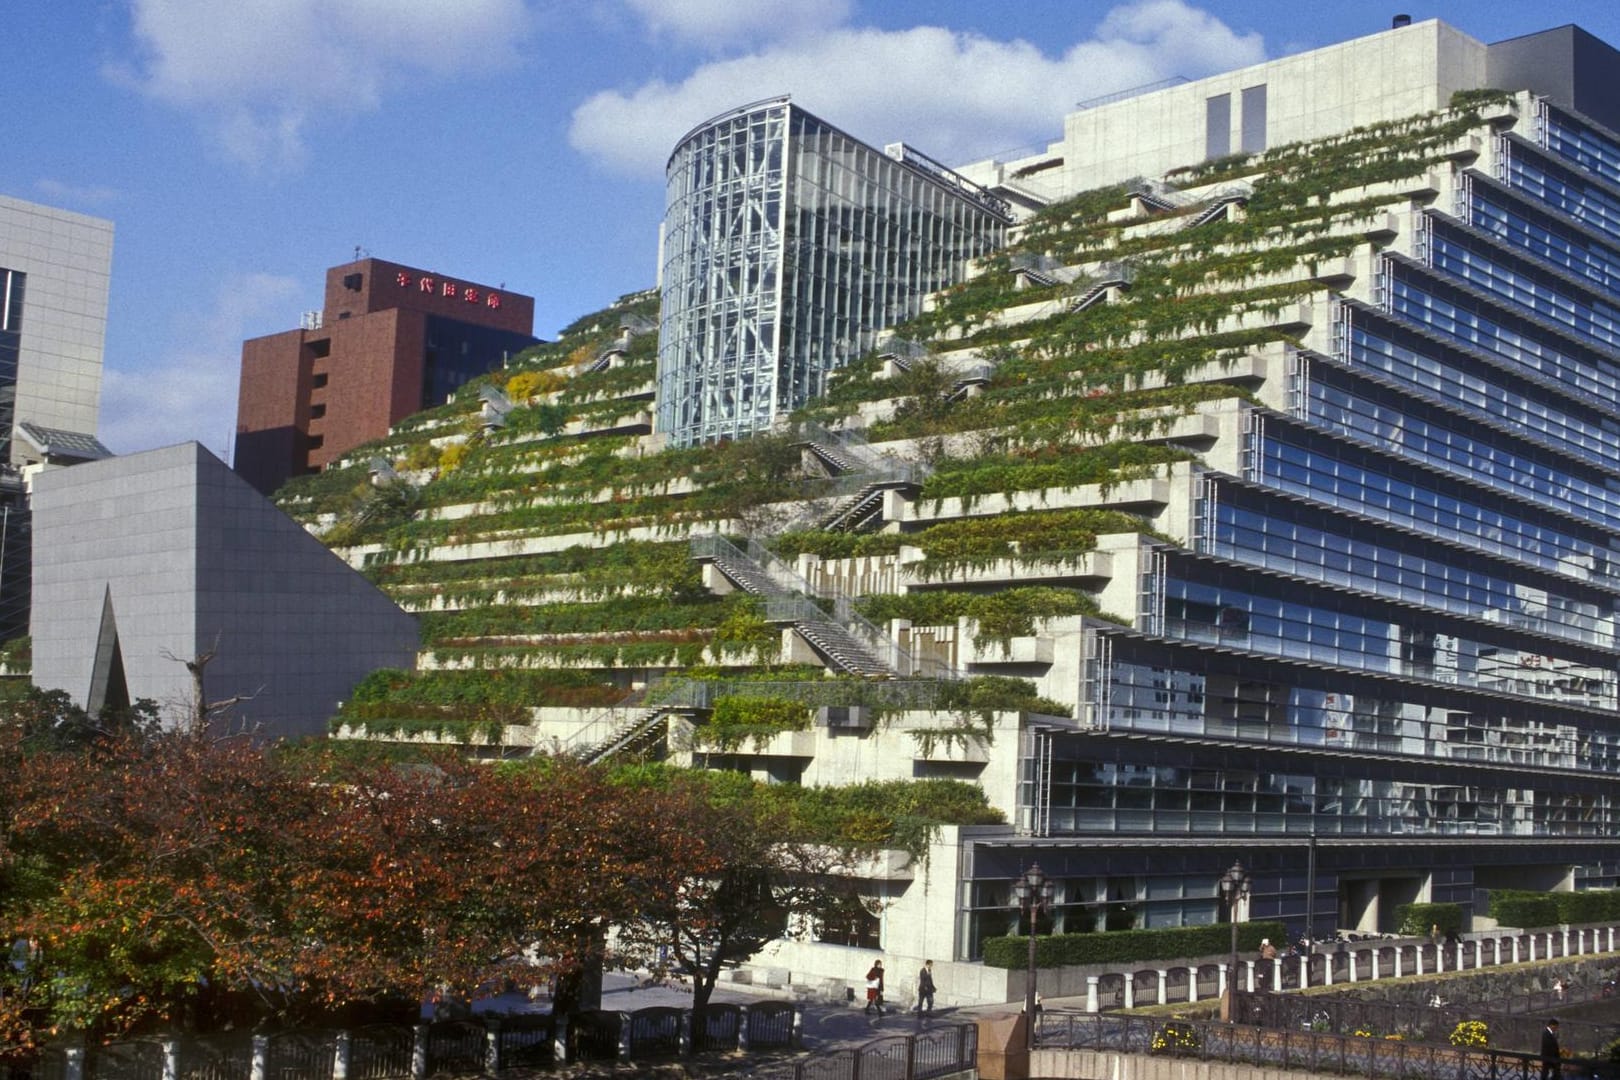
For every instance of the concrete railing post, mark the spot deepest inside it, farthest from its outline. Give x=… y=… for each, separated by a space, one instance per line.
x=1192 y=984
x=685 y=1035
x=73 y=1060
x=1515 y=953
x=419 y=1048
x=1130 y=993
x=1353 y=956
x=1327 y=969
x=1164 y=987
x=1531 y=939
x=797 y=1037
x=1093 y=1005
x=260 y=1062
x=559 y=1040
x=1439 y=958
x=342 y=1052
x=1304 y=972
x=1399 y=951
x=1375 y=965
x=492 y=1046
x=742 y=1028
x=1249 y=972
x=171 y=1059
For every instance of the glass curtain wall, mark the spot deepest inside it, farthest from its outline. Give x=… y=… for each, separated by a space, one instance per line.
x=787 y=246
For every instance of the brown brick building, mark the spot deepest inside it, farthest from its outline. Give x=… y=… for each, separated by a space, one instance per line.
x=391 y=340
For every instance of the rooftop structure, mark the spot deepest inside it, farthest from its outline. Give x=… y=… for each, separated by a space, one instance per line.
x=787 y=246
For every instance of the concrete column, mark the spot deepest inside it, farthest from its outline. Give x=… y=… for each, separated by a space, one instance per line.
x=171 y=1059
x=1130 y=992
x=1398 y=951
x=1461 y=958
x=1353 y=956
x=419 y=1053
x=342 y=1050
x=1531 y=940
x=1515 y=949
x=1375 y=965
x=1566 y=943
x=1092 y=1004
x=1304 y=972
x=1496 y=948
x=1220 y=981
x=1192 y=984
x=1418 y=958
x=1164 y=987
x=1249 y=966
x=1327 y=969
x=1611 y=939
x=1439 y=957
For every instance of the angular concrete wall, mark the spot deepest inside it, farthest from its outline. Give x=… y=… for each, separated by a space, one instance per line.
x=180 y=556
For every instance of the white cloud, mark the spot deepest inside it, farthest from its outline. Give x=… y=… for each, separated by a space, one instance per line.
x=955 y=96
x=190 y=393
x=717 y=23
x=257 y=72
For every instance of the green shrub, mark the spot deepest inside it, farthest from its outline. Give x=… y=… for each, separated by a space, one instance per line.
x=1595 y=905
x=1419 y=919
x=1523 y=908
x=738 y=718
x=1128 y=946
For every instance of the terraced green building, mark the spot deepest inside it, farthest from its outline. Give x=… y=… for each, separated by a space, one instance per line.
x=1263 y=508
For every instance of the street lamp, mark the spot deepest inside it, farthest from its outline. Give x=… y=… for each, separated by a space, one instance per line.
x=1234 y=887
x=1034 y=894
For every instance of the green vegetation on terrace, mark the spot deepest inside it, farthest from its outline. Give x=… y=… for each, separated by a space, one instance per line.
x=899 y=814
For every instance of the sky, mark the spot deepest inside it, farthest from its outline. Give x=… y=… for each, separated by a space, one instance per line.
x=243 y=147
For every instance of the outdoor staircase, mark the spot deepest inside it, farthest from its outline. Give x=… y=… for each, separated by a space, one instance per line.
x=1109 y=276
x=835 y=639
x=857 y=510
x=829 y=455
x=641 y=731
x=1220 y=208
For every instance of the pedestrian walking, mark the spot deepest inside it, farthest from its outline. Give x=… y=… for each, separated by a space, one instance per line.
x=925 y=988
x=1551 y=1055
x=874 y=988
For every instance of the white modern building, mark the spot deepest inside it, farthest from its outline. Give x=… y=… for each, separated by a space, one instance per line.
x=787 y=246
x=54 y=272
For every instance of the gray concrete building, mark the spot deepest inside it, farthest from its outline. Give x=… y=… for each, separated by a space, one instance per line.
x=150 y=560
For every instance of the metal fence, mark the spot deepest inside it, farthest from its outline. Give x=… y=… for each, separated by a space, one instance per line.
x=935 y=1052
x=407 y=1052
x=1387 y=1058
x=1511 y=1021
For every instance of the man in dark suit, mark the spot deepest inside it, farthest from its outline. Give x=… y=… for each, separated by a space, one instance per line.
x=1551 y=1056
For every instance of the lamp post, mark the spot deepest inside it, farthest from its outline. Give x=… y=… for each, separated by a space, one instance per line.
x=1234 y=887
x=1034 y=895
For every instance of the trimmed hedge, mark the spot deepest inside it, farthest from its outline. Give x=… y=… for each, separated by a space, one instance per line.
x=1128 y=946
x=1419 y=919
x=1524 y=908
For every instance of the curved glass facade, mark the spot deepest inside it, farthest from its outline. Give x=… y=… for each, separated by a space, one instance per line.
x=787 y=246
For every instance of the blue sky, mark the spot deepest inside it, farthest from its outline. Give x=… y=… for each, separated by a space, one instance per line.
x=243 y=147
